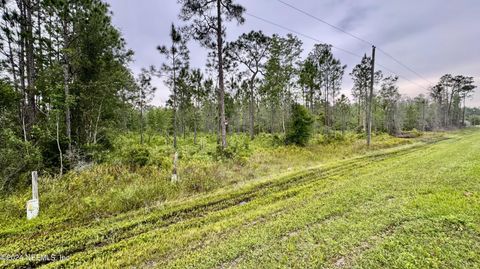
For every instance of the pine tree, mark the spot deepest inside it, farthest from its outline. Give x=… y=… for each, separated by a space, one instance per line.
x=209 y=29
x=251 y=50
x=300 y=126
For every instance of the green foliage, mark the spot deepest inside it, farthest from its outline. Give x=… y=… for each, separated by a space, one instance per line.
x=416 y=132
x=300 y=126
x=98 y=189
x=8 y=98
x=333 y=136
x=196 y=176
x=138 y=156
x=17 y=156
x=159 y=121
x=18 y=159
x=474 y=120
x=111 y=217
x=238 y=149
x=411 y=134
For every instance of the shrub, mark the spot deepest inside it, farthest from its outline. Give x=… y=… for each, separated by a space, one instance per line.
x=138 y=156
x=161 y=161
x=17 y=159
x=474 y=120
x=277 y=140
x=238 y=149
x=416 y=132
x=300 y=126
x=199 y=176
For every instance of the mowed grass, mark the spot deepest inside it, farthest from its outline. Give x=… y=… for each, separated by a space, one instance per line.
x=412 y=206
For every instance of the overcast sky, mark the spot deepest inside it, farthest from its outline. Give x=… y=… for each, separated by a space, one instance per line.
x=433 y=37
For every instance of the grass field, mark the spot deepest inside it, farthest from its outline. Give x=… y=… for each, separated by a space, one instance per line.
x=415 y=205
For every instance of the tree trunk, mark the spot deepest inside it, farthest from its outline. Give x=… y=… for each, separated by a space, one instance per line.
x=184 y=126
x=58 y=144
x=15 y=85
x=221 y=90
x=252 y=108
x=174 y=177
x=333 y=110
x=272 y=115
x=312 y=103
x=194 y=126
x=174 y=103
x=21 y=71
x=326 y=100
x=30 y=62
x=66 y=81
x=423 y=117
x=283 y=119
x=39 y=30
x=448 y=117
x=141 y=121
x=358 y=114
x=95 y=132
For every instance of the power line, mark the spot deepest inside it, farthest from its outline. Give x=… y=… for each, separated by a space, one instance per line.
x=405 y=66
x=300 y=34
x=338 y=48
x=325 y=22
x=354 y=36
x=400 y=76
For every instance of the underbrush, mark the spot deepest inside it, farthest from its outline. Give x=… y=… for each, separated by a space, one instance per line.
x=135 y=176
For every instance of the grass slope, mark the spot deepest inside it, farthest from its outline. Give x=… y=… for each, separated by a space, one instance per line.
x=413 y=206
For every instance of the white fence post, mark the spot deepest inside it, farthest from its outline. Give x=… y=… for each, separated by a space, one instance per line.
x=34 y=185
x=33 y=206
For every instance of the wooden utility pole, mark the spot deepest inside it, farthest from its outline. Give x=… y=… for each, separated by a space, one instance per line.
x=370 y=99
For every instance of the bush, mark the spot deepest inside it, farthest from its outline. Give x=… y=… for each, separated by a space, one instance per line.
x=410 y=134
x=162 y=161
x=474 y=120
x=238 y=149
x=138 y=156
x=416 y=132
x=17 y=159
x=300 y=126
x=333 y=137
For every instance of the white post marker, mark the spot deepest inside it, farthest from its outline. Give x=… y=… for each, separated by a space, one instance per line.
x=174 y=174
x=33 y=206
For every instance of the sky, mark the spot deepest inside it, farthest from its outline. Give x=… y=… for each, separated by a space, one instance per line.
x=431 y=37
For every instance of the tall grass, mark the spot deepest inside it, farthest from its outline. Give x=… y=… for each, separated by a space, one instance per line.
x=117 y=186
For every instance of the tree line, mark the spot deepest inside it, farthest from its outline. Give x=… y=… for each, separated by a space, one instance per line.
x=65 y=85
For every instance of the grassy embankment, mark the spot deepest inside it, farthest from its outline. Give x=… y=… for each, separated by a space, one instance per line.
x=117 y=186
x=413 y=205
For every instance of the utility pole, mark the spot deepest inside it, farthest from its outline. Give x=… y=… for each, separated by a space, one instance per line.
x=370 y=98
x=423 y=115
